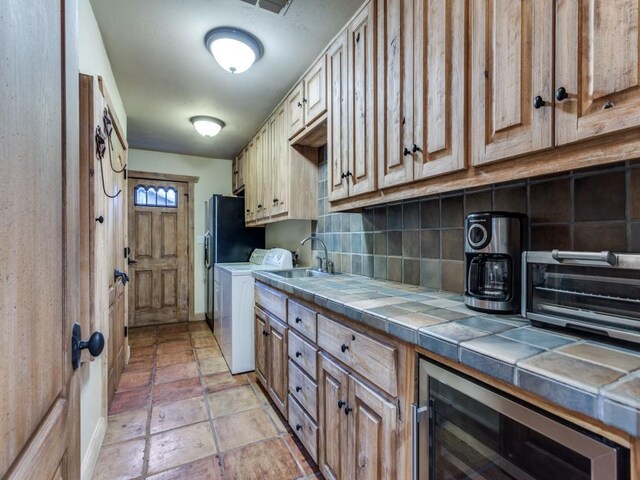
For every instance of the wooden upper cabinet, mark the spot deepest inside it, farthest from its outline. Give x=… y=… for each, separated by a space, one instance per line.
x=395 y=92
x=361 y=176
x=440 y=96
x=598 y=65
x=280 y=170
x=511 y=64
x=238 y=173
x=315 y=91
x=295 y=110
x=249 y=159
x=337 y=118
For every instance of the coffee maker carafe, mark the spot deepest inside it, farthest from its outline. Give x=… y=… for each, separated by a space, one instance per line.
x=494 y=242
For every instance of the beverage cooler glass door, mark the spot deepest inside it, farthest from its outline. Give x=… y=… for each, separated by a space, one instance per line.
x=470 y=431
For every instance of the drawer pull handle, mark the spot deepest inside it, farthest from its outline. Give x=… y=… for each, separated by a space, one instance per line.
x=347 y=410
x=298 y=389
x=341 y=404
x=344 y=348
x=298 y=319
x=298 y=354
x=298 y=427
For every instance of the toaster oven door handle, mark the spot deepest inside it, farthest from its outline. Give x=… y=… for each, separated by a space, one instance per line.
x=604 y=256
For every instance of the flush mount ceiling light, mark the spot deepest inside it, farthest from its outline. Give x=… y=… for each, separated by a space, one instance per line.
x=207 y=126
x=235 y=50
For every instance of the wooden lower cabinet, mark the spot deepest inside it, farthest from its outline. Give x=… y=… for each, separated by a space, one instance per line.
x=357 y=427
x=277 y=367
x=271 y=357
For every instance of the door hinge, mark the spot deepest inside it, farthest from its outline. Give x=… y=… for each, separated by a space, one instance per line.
x=126 y=331
x=125 y=172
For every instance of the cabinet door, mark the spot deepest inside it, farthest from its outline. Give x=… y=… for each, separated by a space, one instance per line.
x=261 y=336
x=361 y=95
x=511 y=64
x=250 y=182
x=337 y=118
x=234 y=174
x=440 y=95
x=315 y=91
x=395 y=92
x=263 y=181
x=240 y=171
x=277 y=364
x=598 y=64
x=295 y=111
x=333 y=384
x=372 y=434
x=280 y=171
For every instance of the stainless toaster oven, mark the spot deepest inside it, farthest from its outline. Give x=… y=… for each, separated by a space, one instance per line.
x=597 y=292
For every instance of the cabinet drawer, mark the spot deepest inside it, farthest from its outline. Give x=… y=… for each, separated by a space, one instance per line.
x=303 y=320
x=369 y=357
x=303 y=354
x=304 y=427
x=271 y=300
x=303 y=389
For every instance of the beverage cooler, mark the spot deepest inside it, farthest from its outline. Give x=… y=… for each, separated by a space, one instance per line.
x=465 y=429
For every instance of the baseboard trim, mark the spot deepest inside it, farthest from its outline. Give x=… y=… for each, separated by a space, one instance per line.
x=91 y=457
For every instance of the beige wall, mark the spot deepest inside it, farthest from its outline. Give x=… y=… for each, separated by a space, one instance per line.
x=215 y=177
x=93 y=60
x=288 y=234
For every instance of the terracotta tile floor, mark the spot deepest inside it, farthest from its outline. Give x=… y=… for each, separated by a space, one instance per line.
x=178 y=413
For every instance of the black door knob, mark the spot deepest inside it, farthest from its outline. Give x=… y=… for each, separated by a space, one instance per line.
x=344 y=348
x=538 y=102
x=117 y=274
x=406 y=151
x=95 y=345
x=561 y=94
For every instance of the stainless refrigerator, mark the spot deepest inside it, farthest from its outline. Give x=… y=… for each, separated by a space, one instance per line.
x=226 y=240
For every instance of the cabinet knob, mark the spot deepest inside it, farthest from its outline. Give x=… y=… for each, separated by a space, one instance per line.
x=265 y=333
x=304 y=100
x=298 y=319
x=248 y=210
x=341 y=404
x=348 y=174
x=100 y=219
x=298 y=354
x=538 y=102
x=344 y=348
x=406 y=151
x=416 y=148
x=561 y=94
x=299 y=105
x=343 y=175
x=298 y=389
x=347 y=410
x=259 y=206
x=298 y=427
x=275 y=200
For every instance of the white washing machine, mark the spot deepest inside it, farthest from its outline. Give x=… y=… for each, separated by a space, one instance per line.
x=233 y=315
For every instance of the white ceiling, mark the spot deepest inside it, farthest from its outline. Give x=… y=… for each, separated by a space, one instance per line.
x=165 y=74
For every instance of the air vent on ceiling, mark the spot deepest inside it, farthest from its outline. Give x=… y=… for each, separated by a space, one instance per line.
x=275 y=6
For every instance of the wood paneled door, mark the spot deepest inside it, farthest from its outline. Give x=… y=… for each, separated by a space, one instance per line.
x=159 y=242
x=39 y=241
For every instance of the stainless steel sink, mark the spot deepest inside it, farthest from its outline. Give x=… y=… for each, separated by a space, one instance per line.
x=301 y=273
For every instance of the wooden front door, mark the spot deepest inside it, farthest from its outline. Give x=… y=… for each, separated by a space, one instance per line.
x=39 y=390
x=158 y=238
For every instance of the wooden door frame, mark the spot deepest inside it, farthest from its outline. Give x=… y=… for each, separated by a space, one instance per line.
x=191 y=181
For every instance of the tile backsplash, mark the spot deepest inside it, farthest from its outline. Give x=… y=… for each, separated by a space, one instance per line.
x=421 y=241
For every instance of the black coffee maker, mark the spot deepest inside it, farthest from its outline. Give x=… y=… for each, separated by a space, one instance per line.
x=494 y=242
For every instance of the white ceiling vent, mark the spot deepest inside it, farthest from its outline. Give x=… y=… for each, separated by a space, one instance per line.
x=275 y=6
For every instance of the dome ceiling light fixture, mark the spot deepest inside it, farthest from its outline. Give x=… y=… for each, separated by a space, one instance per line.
x=234 y=49
x=207 y=126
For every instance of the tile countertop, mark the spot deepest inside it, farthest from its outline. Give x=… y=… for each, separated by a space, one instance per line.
x=598 y=379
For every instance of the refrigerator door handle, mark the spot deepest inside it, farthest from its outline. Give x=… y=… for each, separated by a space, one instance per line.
x=207 y=259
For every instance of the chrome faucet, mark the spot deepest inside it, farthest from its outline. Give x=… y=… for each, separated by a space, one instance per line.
x=328 y=264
